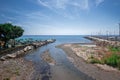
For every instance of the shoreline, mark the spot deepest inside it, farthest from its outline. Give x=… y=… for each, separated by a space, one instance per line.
x=90 y=69
x=22 y=50
x=13 y=66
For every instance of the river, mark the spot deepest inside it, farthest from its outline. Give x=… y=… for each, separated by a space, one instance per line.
x=63 y=69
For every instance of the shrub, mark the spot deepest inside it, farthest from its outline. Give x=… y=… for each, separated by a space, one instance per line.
x=93 y=61
x=114 y=49
x=118 y=63
x=113 y=60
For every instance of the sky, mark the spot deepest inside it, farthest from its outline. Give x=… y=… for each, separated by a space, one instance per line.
x=62 y=17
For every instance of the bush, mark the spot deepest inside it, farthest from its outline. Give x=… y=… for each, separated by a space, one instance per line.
x=114 y=49
x=113 y=60
x=93 y=61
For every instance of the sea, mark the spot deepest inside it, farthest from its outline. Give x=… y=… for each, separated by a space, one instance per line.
x=60 y=39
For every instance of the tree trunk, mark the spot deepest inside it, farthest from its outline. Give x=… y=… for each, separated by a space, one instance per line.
x=4 y=46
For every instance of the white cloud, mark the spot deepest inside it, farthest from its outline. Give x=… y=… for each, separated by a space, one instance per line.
x=69 y=7
x=44 y=3
x=98 y=2
x=64 y=4
x=58 y=4
x=61 y=3
x=80 y=4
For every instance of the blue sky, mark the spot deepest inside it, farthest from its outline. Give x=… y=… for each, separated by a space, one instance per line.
x=62 y=17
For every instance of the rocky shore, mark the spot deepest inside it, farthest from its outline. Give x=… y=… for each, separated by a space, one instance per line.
x=14 y=67
x=25 y=49
x=79 y=56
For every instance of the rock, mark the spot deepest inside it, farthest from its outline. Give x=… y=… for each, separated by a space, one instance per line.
x=29 y=47
x=25 y=49
x=11 y=55
x=18 y=53
x=3 y=58
x=51 y=40
x=21 y=51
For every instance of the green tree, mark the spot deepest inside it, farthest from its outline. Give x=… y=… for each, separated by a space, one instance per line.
x=9 y=31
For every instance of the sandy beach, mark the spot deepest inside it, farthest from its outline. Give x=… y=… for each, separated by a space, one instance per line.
x=95 y=71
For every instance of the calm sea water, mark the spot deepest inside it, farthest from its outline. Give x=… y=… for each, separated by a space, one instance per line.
x=60 y=39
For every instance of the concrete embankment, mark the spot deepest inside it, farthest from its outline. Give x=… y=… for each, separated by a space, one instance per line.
x=24 y=49
x=103 y=42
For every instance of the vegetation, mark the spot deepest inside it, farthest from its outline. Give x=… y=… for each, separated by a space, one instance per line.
x=114 y=49
x=111 y=59
x=9 y=31
x=95 y=60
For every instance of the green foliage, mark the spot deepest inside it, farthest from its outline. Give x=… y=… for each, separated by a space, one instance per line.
x=93 y=61
x=114 y=49
x=9 y=31
x=113 y=60
x=16 y=32
x=118 y=63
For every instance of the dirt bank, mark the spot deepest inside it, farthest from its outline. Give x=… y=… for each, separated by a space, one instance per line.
x=87 y=68
x=16 y=69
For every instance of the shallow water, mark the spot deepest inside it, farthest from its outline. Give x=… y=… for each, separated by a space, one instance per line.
x=62 y=70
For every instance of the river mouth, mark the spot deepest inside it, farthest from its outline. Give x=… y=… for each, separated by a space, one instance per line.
x=63 y=69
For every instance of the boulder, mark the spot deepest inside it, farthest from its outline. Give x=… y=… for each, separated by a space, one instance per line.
x=30 y=47
x=3 y=58
x=11 y=55
x=21 y=51
x=25 y=49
